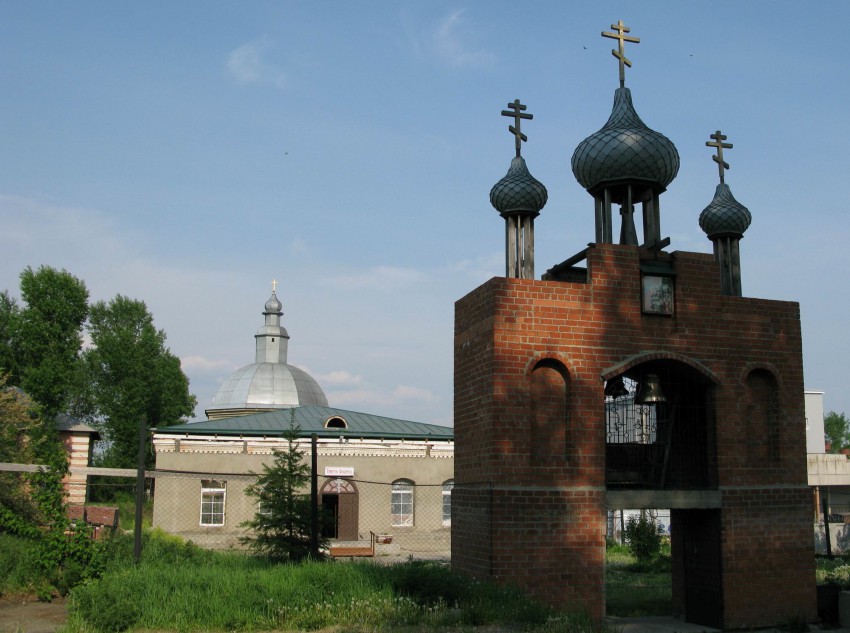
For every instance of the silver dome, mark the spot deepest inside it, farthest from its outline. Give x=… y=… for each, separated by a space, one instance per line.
x=267 y=386
x=269 y=382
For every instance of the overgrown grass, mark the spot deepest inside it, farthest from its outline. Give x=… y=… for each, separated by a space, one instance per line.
x=126 y=504
x=834 y=570
x=180 y=587
x=19 y=573
x=637 y=589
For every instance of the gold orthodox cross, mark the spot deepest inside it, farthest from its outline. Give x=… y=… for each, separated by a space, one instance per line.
x=620 y=54
x=720 y=145
x=274 y=285
x=518 y=115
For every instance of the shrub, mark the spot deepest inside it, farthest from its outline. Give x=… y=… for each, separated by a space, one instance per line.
x=643 y=537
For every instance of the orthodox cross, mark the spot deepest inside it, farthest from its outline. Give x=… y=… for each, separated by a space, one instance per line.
x=720 y=145
x=620 y=54
x=518 y=115
x=274 y=285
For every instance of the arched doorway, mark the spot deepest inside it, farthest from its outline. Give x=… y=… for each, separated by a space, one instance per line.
x=661 y=455
x=339 y=501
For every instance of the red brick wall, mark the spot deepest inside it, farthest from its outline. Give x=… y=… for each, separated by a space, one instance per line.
x=547 y=513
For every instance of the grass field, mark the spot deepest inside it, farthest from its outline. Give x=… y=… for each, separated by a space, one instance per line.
x=633 y=590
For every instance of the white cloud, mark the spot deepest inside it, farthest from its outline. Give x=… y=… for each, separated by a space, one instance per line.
x=339 y=377
x=453 y=41
x=200 y=363
x=387 y=278
x=247 y=64
x=407 y=393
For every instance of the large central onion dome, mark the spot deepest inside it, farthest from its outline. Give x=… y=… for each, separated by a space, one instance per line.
x=625 y=149
x=269 y=383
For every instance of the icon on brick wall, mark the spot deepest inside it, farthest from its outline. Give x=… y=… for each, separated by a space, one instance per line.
x=657 y=294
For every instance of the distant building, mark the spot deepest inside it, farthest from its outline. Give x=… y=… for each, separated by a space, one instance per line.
x=376 y=475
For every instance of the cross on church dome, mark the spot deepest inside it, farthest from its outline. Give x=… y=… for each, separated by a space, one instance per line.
x=720 y=145
x=620 y=54
x=518 y=115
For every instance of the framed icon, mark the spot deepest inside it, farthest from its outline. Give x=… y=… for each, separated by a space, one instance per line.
x=658 y=294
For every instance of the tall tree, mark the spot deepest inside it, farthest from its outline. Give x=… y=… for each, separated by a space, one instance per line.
x=836 y=427
x=282 y=525
x=48 y=333
x=9 y=315
x=132 y=376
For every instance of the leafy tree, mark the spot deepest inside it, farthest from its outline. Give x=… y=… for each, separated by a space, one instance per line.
x=282 y=525
x=643 y=537
x=9 y=314
x=49 y=336
x=836 y=427
x=131 y=376
x=19 y=425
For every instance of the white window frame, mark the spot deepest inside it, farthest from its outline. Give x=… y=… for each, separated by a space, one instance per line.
x=213 y=502
x=402 y=503
x=447 y=502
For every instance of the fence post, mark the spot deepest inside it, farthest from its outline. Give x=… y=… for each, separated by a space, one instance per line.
x=140 y=490
x=314 y=495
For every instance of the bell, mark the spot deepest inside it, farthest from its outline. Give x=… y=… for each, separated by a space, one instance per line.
x=649 y=391
x=616 y=388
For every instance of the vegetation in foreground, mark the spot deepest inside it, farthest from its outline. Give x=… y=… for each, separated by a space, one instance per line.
x=635 y=588
x=181 y=587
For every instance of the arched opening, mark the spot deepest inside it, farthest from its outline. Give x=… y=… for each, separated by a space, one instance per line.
x=549 y=415
x=660 y=428
x=762 y=424
x=339 y=503
x=661 y=462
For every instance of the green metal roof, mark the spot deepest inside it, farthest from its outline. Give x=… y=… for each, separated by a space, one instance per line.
x=312 y=420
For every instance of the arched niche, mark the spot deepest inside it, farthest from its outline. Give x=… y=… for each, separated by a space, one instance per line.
x=763 y=436
x=549 y=411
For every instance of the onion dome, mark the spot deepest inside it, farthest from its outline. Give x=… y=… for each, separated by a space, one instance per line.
x=724 y=215
x=518 y=192
x=625 y=149
x=269 y=382
x=273 y=305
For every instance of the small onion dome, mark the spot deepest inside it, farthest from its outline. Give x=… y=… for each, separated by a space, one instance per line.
x=725 y=215
x=625 y=149
x=273 y=305
x=518 y=192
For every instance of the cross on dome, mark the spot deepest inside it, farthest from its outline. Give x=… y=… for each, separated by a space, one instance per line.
x=274 y=285
x=620 y=54
x=518 y=115
x=720 y=145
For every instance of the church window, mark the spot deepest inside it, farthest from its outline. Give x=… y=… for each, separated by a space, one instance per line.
x=336 y=422
x=447 y=502
x=212 y=502
x=401 y=503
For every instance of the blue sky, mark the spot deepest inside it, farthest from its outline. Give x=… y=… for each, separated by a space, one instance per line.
x=188 y=153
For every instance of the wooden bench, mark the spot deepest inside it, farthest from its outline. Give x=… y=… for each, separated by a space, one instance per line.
x=344 y=551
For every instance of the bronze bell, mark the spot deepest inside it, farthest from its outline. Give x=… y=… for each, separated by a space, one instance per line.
x=616 y=388
x=649 y=391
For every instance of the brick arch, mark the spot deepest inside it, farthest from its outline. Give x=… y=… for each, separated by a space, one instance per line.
x=549 y=357
x=761 y=414
x=549 y=406
x=644 y=357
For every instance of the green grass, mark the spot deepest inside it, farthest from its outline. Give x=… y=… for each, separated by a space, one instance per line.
x=180 y=587
x=632 y=589
x=19 y=574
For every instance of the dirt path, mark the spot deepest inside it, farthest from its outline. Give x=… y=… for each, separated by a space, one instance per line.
x=20 y=616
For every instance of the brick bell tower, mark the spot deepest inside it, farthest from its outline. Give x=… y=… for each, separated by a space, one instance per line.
x=631 y=377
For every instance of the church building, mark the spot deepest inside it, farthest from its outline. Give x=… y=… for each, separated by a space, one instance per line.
x=385 y=483
x=632 y=376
